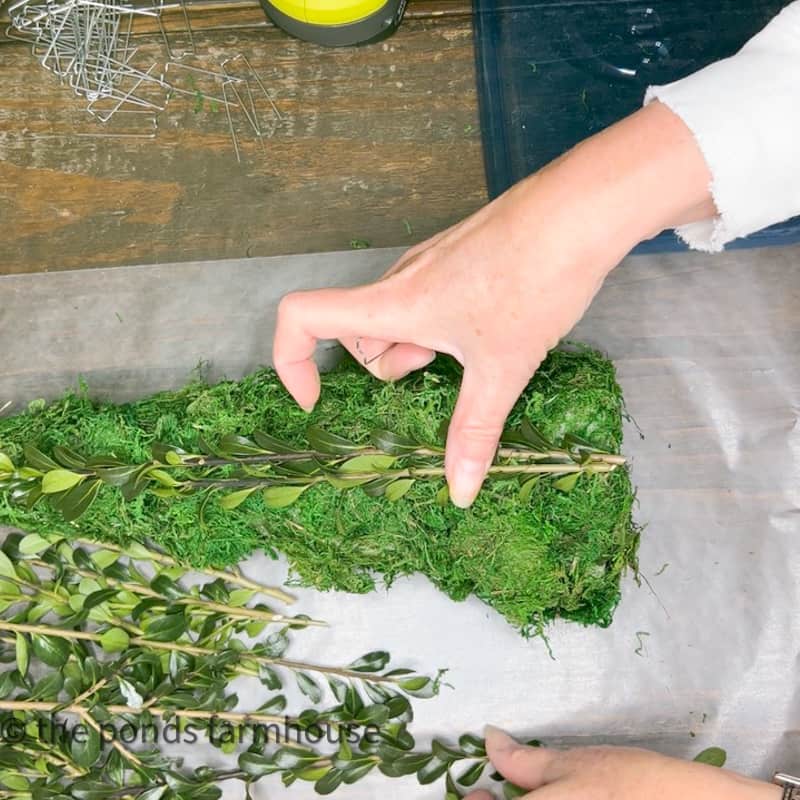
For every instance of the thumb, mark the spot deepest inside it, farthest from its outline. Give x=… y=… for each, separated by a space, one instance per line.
x=484 y=402
x=527 y=767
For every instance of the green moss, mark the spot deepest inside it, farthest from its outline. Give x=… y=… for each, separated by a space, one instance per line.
x=556 y=555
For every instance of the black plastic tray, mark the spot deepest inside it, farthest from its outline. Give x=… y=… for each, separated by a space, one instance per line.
x=552 y=73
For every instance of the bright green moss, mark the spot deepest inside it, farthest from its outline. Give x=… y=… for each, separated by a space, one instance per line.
x=556 y=555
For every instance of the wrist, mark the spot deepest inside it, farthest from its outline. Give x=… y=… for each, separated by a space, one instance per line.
x=628 y=183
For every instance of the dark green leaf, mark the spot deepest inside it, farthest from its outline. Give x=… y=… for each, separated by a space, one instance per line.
x=136 y=484
x=168 y=628
x=37 y=459
x=378 y=486
x=274 y=705
x=257 y=764
x=98 y=597
x=375 y=661
x=443 y=752
x=356 y=770
x=339 y=689
x=146 y=605
x=309 y=687
x=239 y=446
x=451 y=791
x=376 y=714
x=153 y=793
x=534 y=437
x=271 y=444
x=325 y=442
x=85 y=748
x=293 y=757
x=269 y=677
x=511 y=791
x=471 y=774
x=472 y=745
x=48 y=687
x=68 y=458
x=432 y=771
x=331 y=781
x=50 y=649
x=406 y=764
x=572 y=442
x=393 y=443
x=118 y=476
x=276 y=644
x=166 y=587
x=75 y=502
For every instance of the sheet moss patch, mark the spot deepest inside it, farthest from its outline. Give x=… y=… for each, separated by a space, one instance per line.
x=551 y=554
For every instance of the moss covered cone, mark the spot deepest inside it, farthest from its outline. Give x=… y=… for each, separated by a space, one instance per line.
x=555 y=555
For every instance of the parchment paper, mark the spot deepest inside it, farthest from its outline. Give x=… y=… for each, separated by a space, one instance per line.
x=708 y=353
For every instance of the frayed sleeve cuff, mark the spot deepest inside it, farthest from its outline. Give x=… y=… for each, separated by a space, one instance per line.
x=744 y=113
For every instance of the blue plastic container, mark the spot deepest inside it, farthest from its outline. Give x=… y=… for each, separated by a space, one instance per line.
x=552 y=73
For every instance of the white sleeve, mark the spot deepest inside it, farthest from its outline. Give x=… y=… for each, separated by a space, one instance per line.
x=744 y=112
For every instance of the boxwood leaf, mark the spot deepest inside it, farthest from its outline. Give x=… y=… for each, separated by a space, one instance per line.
x=50 y=649
x=713 y=756
x=36 y=458
x=375 y=661
x=471 y=774
x=567 y=483
x=393 y=443
x=282 y=496
x=22 y=654
x=309 y=687
x=368 y=463
x=235 y=499
x=398 y=488
x=86 y=748
x=330 y=443
x=59 y=480
x=114 y=640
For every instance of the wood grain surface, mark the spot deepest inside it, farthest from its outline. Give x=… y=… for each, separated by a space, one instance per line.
x=376 y=144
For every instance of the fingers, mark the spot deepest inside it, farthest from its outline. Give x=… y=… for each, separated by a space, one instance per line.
x=306 y=317
x=386 y=360
x=527 y=767
x=484 y=402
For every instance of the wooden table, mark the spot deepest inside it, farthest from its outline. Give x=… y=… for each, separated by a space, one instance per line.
x=377 y=144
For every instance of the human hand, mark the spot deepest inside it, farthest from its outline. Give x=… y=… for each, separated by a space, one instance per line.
x=613 y=773
x=501 y=288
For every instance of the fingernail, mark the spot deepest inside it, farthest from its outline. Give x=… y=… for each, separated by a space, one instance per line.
x=308 y=409
x=498 y=739
x=466 y=482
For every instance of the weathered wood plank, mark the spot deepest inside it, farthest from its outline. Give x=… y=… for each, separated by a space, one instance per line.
x=379 y=143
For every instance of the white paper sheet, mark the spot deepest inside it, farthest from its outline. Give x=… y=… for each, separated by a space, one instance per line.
x=708 y=354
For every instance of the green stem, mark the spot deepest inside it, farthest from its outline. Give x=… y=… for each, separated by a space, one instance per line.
x=198 y=602
x=230 y=576
x=192 y=649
